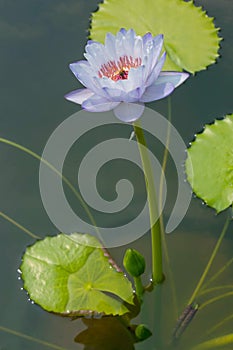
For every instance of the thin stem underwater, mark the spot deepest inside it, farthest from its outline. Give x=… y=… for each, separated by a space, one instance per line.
x=217 y=274
x=66 y=181
x=161 y=184
x=157 y=265
x=221 y=323
x=28 y=337
x=215 y=343
x=29 y=233
x=214 y=289
x=209 y=264
x=219 y=297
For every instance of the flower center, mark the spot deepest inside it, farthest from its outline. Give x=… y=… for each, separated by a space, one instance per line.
x=119 y=70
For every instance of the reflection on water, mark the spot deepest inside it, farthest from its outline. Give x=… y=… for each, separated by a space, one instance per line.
x=111 y=333
x=38 y=40
x=105 y=334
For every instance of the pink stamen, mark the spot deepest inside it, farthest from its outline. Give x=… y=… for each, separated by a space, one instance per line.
x=119 y=70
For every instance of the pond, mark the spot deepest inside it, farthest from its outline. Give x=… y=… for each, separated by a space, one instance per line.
x=39 y=39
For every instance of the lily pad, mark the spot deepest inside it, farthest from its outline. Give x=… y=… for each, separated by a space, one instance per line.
x=71 y=275
x=209 y=165
x=190 y=37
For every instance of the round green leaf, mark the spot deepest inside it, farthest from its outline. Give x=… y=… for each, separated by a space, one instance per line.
x=190 y=37
x=70 y=274
x=209 y=165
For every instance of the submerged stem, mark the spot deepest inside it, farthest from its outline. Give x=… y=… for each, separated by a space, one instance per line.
x=208 y=266
x=6 y=217
x=214 y=289
x=219 y=297
x=161 y=184
x=66 y=181
x=217 y=274
x=164 y=164
x=28 y=337
x=157 y=273
x=226 y=319
x=215 y=343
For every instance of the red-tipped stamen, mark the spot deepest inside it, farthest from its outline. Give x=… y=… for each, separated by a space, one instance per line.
x=119 y=70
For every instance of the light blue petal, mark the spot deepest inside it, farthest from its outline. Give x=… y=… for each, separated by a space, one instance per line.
x=93 y=62
x=122 y=48
x=98 y=104
x=158 y=41
x=129 y=112
x=138 y=47
x=84 y=73
x=106 y=82
x=157 y=91
x=152 y=45
x=116 y=95
x=175 y=78
x=134 y=95
x=79 y=96
x=147 y=37
x=89 y=42
x=120 y=34
x=110 y=46
x=157 y=47
x=94 y=48
x=119 y=95
x=123 y=31
x=156 y=71
x=131 y=35
x=136 y=78
x=75 y=67
x=96 y=55
x=129 y=42
x=125 y=44
x=151 y=53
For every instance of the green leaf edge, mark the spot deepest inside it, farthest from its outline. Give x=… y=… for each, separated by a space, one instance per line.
x=189 y=168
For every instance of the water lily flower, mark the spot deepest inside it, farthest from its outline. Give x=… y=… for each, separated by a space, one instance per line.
x=123 y=74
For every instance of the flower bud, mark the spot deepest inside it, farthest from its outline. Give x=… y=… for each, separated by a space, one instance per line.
x=142 y=332
x=134 y=262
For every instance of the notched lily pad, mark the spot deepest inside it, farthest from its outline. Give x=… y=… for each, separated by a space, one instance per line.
x=71 y=275
x=190 y=37
x=209 y=165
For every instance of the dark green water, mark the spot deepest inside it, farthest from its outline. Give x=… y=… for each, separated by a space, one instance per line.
x=38 y=39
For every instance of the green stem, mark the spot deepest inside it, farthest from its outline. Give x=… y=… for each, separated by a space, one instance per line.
x=139 y=287
x=219 y=297
x=215 y=276
x=218 y=342
x=6 y=217
x=164 y=163
x=66 y=181
x=208 y=266
x=214 y=289
x=157 y=272
x=225 y=320
x=28 y=337
x=161 y=184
